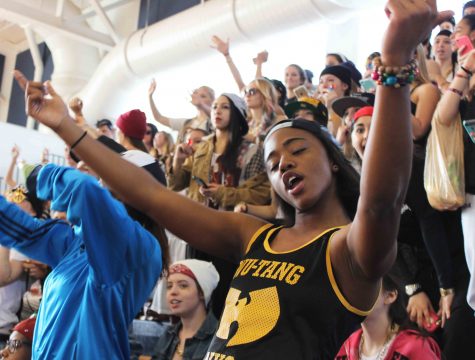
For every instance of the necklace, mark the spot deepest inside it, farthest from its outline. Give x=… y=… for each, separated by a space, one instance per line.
x=393 y=330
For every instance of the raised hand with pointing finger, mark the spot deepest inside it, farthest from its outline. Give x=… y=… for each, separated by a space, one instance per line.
x=42 y=102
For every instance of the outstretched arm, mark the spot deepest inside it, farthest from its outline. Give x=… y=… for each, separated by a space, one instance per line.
x=223 y=48
x=43 y=240
x=260 y=59
x=11 y=183
x=220 y=233
x=156 y=114
x=173 y=123
x=371 y=239
x=76 y=105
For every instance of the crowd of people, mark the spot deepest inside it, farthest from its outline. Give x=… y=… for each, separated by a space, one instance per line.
x=289 y=221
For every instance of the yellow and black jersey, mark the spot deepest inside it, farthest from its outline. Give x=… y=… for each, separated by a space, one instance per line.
x=284 y=305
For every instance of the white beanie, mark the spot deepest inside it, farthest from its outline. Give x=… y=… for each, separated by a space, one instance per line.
x=204 y=272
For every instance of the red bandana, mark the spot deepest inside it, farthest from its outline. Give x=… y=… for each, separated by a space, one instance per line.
x=182 y=269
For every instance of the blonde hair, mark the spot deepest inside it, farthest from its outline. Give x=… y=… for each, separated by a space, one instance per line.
x=270 y=105
x=269 y=93
x=422 y=76
x=209 y=90
x=170 y=143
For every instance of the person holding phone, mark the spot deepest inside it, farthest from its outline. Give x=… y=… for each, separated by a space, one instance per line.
x=293 y=78
x=300 y=290
x=335 y=82
x=458 y=104
x=223 y=170
x=231 y=166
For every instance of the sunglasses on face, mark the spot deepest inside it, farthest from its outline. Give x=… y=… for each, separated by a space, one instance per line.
x=14 y=345
x=250 y=91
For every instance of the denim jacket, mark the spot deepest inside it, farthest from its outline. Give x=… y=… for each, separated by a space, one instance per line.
x=195 y=348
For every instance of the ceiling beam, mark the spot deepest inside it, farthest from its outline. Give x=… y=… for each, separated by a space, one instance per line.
x=89 y=12
x=105 y=20
x=25 y=15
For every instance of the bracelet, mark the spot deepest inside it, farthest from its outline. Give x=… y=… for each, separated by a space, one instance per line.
x=470 y=73
x=395 y=76
x=456 y=91
x=445 y=292
x=462 y=76
x=78 y=140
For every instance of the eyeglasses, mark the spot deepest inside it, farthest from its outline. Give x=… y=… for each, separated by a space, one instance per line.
x=251 y=91
x=14 y=345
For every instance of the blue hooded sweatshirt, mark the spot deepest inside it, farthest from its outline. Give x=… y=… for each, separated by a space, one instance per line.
x=104 y=266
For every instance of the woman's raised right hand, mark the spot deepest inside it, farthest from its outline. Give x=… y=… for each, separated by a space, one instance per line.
x=152 y=87
x=15 y=152
x=220 y=45
x=261 y=58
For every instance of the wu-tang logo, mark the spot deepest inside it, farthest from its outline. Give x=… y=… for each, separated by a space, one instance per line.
x=255 y=316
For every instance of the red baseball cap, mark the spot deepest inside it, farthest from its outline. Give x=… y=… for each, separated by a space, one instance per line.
x=26 y=328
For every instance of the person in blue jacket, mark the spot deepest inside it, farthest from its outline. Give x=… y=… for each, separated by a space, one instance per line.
x=104 y=266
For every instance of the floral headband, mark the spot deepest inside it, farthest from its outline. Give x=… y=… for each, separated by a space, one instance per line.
x=17 y=195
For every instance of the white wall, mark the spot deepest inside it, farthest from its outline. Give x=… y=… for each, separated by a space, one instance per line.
x=31 y=144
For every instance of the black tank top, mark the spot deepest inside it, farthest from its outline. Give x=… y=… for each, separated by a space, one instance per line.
x=421 y=143
x=467 y=112
x=284 y=305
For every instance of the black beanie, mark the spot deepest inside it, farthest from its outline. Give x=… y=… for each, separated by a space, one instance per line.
x=340 y=72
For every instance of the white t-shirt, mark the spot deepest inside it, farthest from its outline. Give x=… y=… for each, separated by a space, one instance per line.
x=10 y=297
x=195 y=123
x=177 y=123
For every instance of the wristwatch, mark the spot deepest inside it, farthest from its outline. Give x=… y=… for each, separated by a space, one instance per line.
x=413 y=289
x=445 y=292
